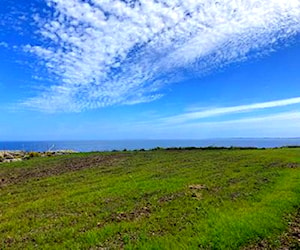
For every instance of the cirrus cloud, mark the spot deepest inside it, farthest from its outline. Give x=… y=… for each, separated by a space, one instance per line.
x=106 y=52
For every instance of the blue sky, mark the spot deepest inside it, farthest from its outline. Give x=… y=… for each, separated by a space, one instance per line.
x=104 y=69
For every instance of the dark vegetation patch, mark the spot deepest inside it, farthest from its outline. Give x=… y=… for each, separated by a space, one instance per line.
x=291 y=146
x=205 y=148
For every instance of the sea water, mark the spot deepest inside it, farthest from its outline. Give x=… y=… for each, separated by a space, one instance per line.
x=109 y=145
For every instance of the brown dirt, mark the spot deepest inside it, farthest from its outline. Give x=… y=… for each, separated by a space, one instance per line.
x=57 y=167
x=170 y=197
x=127 y=216
x=196 y=191
x=134 y=215
x=284 y=165
x=291 y=239
x=293 y=165
x=198 y=187
x=117 y=241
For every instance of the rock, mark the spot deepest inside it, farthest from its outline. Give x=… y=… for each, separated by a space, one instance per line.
x=8 y=155
x=17 y=155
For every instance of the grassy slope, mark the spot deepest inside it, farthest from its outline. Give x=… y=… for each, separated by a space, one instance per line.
x=218 y=199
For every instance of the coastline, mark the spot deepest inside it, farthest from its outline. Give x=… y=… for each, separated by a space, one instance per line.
x=7 y=156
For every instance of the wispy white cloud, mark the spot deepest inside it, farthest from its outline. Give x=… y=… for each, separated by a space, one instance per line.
x=204 y=113
x=286 y=124
x=105 y=52
x=278 y=120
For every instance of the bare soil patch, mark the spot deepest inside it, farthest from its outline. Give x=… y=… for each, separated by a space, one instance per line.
x=284 y=165
x=57 y=167
x=134 y=215
x=171 y=197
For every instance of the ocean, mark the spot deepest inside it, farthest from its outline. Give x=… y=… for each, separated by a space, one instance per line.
x=109 y=145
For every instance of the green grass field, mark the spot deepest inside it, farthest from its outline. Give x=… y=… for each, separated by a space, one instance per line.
x=163 y=199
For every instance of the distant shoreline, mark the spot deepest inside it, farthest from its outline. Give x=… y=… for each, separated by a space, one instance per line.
x=7 y=156
x=119 y=145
